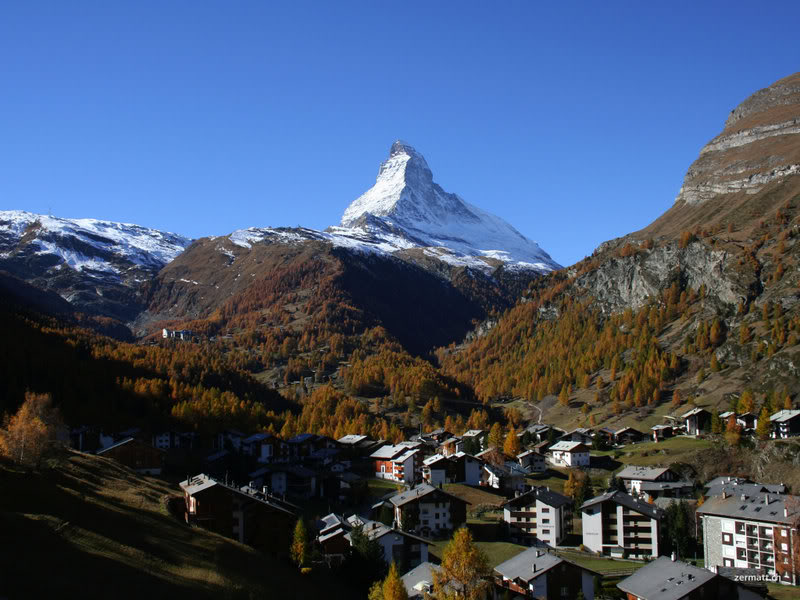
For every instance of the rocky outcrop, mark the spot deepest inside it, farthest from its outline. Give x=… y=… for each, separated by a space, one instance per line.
x=623 y=282
x=759 y=145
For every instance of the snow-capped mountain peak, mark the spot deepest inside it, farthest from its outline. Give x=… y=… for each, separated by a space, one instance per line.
x=406 y=202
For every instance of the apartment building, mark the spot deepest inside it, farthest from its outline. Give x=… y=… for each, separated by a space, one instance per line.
x=540 y=515
x=752 y=531
x=617 y=524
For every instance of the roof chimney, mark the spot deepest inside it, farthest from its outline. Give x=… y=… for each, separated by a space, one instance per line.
x=766 y=499
x=724 y=494
x=673 y=556
x=533 y=567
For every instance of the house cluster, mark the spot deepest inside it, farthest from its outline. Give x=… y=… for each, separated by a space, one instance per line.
x=177 y=334
x=697 y=421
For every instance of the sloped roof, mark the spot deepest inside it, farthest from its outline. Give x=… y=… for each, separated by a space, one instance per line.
x=756 y=507
x=388 y=452
x=642 y=473
x=420 y=492
x=784 y=415
x=568 y=446
x=543 y=494
x=665 y=579
x=627 y=501
x=418 y=578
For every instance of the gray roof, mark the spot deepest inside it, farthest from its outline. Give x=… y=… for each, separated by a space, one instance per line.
x=419 y=492
x=543 y=494
x=665 y=579
x=768 y=508
x=784 y=415
x=417 y=578
x=569 y=447
x=528 y=565
x=201 y=482
x=654 y=486
x=642 y=473
x=694 y=411
x=742 y=487
x=628 y=501
x=352 y=439
x=388 y=452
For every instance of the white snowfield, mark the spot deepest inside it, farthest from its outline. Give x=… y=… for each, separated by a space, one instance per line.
x=96 y=241
x=406 y=209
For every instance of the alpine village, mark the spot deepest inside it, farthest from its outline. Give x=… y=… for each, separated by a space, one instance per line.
x=367 y=411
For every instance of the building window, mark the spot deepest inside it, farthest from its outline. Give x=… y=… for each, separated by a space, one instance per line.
x=545 y=532
x=727 y=538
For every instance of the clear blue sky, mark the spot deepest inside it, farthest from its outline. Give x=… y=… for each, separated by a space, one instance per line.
x=575 y=122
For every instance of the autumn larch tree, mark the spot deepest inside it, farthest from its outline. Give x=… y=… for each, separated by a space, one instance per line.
x=496 y=435
x=393 y=587
x=746 y=402
x=762 y=427
x=27 y=435
x=300 y=548
x=463 y=570
x=512 y=445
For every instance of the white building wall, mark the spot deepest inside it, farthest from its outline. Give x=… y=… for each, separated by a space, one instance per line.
x=593 y=529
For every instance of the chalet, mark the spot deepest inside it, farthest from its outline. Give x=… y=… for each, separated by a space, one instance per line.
x=651 y=490
x=440 y=435
x=176 y=334
x=230 y=439
x=467 y=469
x=332 y=538
x=785 y=423
x=507 y=477
x=437 y=469
x=618 y=525
x=752 y=531
x=475 y=440
x=581 y=434
x=747 y=421
x=429 y=510
x=697 y=421
x=532 y=461
x=243 y=514
x=400 y=547
x=538 y=516
x=606 y=434
x=419 y=581
x=357 y=445
x=266 y=448
x=397 y=463
x=634 y=476
x=136 y=454
x=669 y=579
x=535 y=573
x=451 y=446
x=569 y=454
x=628 y=435
x=661 y=432
x=304 y=445
x=542 y=432
x=272 y=479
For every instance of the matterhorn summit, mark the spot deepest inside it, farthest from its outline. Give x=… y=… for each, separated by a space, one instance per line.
x=407 y=209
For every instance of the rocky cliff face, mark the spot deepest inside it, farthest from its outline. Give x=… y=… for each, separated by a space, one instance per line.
x=736 y=201
x=760 y=144
x=734 y=180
